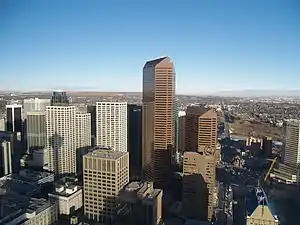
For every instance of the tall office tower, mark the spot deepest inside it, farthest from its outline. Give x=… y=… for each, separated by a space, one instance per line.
x=158 y=120
x=193 y=113
x=208 y=130
x=267 y=147
x=105 y=173
x=5 y=157
x=134 y=139
x=92 y=110
x=36 y=130
x=289 y=170
x=61 y=139
x=11 y=154
x=83 y=137
x=199 y=172
x=35 y=104
x=291 y=142
x=14 y=118
x=258 y=209
x=181 y=133
x=111 y=126
x=59 y=98
x=176 y=121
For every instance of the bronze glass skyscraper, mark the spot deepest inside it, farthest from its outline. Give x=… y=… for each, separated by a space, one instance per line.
x=158 y=123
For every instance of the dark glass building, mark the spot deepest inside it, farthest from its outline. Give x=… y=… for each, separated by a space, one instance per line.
x=267 y=147
x=14 y=118
x=134 y=139
x=59 y=98
x=92 y=110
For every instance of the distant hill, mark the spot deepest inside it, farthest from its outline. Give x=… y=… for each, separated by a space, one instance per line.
x=259 y=93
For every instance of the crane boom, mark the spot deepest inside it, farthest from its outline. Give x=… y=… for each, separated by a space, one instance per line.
x=270 y=169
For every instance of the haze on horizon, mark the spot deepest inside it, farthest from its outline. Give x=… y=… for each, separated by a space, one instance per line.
x=103 y=45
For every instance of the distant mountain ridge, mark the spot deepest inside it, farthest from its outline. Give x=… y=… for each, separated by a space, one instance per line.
x=259 y=93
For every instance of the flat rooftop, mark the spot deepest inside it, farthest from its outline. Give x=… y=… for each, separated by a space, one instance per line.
x=14 y=205
x=106 y=154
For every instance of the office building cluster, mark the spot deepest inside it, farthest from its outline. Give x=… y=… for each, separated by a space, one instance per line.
x=114 y=160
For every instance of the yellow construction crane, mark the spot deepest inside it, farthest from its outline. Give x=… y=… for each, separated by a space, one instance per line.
x=271 y=168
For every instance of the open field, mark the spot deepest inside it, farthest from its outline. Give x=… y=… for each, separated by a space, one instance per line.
x=244 y=128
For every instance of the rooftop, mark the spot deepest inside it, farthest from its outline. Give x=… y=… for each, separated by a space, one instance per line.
x=14 y=205
x=105 y=154
x=66 y=186
x=154 y=62
x=257 y=197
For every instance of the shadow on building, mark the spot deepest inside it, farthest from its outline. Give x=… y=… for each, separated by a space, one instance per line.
x=195 y=197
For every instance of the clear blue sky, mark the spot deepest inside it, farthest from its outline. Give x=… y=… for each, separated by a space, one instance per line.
x=103 y=45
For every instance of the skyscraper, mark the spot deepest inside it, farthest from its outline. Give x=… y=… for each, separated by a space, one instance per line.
x=199 y=185
x=105 y=173
x=135 y=139
x=61 y=134
x=208 y=129
x=36 y=129
x=92 y=110
x=59 y=98
x=158 y=119
x=193 y=112
x=83 y=137
x=111 y=125
x=35 y=104
x=5 y=157
x=14 y=118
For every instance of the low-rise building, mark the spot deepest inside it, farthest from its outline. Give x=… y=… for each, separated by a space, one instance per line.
x=22 y=210
x=142 y=204
x=67 y=195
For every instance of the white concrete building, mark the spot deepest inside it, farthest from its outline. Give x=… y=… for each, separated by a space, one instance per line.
x=6 y=157
x=83 y=130
x=291 y=140
x=35 y=104
x=68 y=197
x=111 y=125
x=61 y=139
x=2 y=124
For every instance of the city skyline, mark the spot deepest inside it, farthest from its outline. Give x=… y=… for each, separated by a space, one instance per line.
x=102 y=46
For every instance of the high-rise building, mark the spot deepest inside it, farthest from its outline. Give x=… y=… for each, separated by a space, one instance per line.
x=35 y=104
x=5 y=157
x=83 y=130
x=61 y=138
x=199 y=185
x=181 y=132
x=14 y=118
x=289 y=170
x=111 y=126
x=2 y=124
x=267 y=147
x=208 y=130
x=36 y=130
x=193 y=113
x=11 y=152
x=134 y=139
x=83 y=137
x=92 y=110
x=59 y=98
x=105 y=173
x=158 y=141
x=291 y=142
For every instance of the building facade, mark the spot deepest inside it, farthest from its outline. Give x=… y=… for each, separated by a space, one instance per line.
x=61 y=139
x=5 y=157
x=14 y=118
x=111 y=126
x=135 y=139
x=92 y=110
x=193 y=112
x=36 y=129
x=35 y=104
x=199 y=184
x=105 y=173
x=158 y=125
